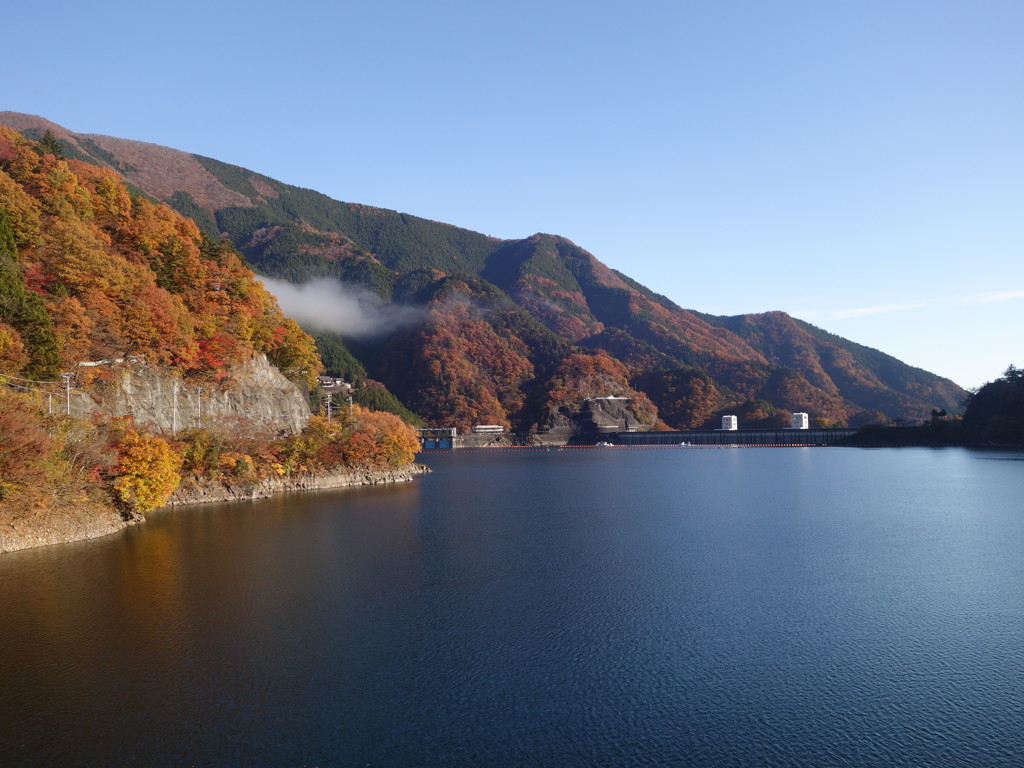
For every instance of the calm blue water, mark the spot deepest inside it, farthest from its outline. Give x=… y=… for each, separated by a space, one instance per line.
x=747 y=607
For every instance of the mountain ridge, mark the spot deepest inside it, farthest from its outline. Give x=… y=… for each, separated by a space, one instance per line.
x=763 y=365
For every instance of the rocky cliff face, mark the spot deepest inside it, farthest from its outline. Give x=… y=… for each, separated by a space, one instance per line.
x=609 y=414
x=255 y=400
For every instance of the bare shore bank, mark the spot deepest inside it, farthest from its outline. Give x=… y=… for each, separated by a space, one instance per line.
x=192 y=491
x=38 y=529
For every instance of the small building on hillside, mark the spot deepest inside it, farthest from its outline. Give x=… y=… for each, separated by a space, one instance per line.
x=331 y=384
x=800 y=421
x=730 y=423
x=488 y=429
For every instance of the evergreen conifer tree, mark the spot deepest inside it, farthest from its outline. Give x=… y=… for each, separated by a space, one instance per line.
x=24 y=310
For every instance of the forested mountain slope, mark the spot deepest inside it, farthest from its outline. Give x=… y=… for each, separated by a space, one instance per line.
x=110 y=300
x=88 y=272
x=518 y=332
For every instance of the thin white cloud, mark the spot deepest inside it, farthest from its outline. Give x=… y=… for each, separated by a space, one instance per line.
x=990 y=297
x=880 y=309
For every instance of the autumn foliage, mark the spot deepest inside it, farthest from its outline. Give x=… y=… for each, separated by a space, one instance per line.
x=123 y=276
x=376 y=439
x=25 y=448
x=49 y=462
x=500 y=315
x=148 y=472
x=356 y=439
x=596 y=374
x=91 y=271
x=457 y=368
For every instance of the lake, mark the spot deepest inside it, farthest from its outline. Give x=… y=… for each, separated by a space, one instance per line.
x=605 y=607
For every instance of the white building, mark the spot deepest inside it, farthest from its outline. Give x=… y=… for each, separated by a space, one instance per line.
x=800 y=421
x=331 y=383
x=729 y=423
x=488 y=429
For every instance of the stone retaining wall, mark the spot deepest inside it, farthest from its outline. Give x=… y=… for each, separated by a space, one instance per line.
x=193 y=491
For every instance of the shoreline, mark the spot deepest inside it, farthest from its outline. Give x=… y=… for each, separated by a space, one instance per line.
x=192 y=491
x=30 y=530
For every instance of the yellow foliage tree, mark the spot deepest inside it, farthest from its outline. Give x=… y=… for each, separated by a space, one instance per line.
x=12 y=351
x=149 y=471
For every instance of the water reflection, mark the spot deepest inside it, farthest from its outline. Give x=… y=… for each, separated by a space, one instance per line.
x=792 y=606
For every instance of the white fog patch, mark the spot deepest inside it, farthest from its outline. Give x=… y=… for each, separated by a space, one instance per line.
x=331 y=305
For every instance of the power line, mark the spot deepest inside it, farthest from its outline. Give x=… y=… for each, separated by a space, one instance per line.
x=8 y=377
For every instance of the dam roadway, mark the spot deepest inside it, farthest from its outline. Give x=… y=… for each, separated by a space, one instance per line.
x=764 y=437
x=443 y=439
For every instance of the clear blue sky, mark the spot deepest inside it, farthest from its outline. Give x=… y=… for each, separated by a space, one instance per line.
x=856 y=163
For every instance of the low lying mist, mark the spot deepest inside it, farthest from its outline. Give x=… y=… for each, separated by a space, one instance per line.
x=345 y=308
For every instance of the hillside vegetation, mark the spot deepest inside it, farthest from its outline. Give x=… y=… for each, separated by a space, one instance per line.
x=91 y=272
x=995 y=413
x=498 y=321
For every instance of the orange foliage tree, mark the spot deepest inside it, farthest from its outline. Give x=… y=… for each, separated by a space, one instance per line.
x=358 y=438
x=24 y=448
x=378 y=439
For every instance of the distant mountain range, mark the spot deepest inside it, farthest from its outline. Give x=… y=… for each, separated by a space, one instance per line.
x=516 y=332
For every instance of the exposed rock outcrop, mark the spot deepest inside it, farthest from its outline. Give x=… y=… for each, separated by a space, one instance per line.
x=255 y=399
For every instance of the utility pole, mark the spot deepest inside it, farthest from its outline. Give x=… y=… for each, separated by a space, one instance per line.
x=67 y=390
x=174 y=410
x=199 y=406
x=328 y=402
